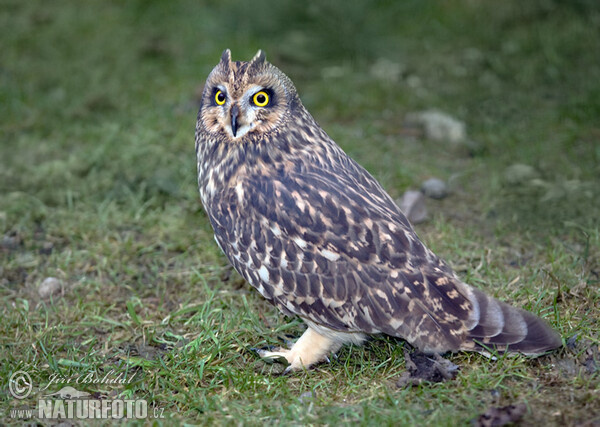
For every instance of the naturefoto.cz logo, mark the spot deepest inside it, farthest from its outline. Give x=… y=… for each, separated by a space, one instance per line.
x=82 y=407
x=70 y=403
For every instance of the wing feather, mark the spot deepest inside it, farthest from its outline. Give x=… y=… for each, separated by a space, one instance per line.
x=340 y=253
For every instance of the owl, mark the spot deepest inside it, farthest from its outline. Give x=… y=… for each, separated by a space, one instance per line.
x=320 y=238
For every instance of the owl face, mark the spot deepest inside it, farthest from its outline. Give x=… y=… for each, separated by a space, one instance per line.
x=244 y=101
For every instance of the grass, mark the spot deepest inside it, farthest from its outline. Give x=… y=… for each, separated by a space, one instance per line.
x=97 y=188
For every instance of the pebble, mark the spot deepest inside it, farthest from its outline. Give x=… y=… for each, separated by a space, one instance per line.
x=439 y=126
x=50 y=286
x=412 y=204
x=434 y=188
x=385 y=70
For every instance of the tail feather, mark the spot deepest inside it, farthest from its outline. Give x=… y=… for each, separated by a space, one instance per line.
x=502 y=327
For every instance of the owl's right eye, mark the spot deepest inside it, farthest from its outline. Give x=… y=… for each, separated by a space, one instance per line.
x=220 y=97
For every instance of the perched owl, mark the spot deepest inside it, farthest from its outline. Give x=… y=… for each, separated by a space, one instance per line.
x=320 y=238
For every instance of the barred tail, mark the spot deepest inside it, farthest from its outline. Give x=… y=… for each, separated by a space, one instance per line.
x=497 y=325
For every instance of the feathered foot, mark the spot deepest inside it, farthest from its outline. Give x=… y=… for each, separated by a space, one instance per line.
x=310 y=348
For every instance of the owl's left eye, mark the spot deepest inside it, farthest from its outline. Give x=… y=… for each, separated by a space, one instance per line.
x=220 y=98
x=261 y=99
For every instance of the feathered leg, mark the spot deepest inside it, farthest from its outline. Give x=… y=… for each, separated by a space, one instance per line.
x=310 y=348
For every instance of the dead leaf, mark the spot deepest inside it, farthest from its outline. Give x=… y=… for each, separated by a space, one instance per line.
x=421 y=367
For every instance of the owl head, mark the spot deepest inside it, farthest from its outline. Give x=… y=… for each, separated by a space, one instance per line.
x=244 y=101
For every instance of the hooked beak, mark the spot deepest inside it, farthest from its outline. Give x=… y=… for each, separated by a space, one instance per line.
x=235 y=112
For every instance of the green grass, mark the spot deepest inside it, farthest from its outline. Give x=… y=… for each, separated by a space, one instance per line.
x=97 y=188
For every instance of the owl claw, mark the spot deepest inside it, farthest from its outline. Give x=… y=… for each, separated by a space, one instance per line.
x=263 y=349
x=272 y=354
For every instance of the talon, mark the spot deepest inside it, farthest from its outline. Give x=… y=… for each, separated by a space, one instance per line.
x=262 y=349
x=273 y=356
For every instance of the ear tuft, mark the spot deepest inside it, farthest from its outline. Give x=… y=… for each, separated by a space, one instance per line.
x=226 y=56
x=258 y=59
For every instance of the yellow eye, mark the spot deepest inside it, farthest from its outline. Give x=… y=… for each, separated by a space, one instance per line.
x=220 y=97
x=261 y=99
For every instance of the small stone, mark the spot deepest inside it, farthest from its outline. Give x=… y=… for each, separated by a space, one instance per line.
x=50 y=286
x=439 y=126
x=434 y=188
x=412 y=204
x=519 y=174
x=385 y=70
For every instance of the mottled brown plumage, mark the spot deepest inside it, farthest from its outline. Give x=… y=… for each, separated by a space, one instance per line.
x=320 y=238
